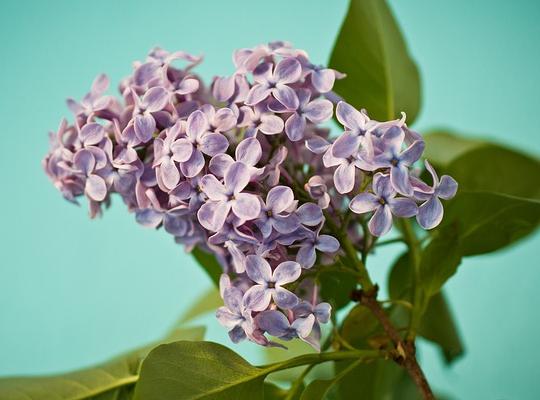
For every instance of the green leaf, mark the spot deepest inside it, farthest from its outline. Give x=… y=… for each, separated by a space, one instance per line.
x=273 y=392
x=359 y=325
x=319 y=389
x=381 y=75
x=336 y=287
x=381 y=379
x=209 y=263
x=113 y=380
x=198 y=370
x=443 y=147
x=486 y=222
x=276 y=354
x=209 y=301
x=439 y=261
x=481 y=166
x=437 y=326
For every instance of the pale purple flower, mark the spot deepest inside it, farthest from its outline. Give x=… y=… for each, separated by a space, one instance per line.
x=276 y=81
x=384 y=203
x=321 y=311
x=234 y=316
x=269 y=284
x=316 y=111
x=248 y=151
x=354 y=121
x=154 y=100
x=219 y=121
x=306 y=255
x=231 y=89
x=397 y=160
x=275 y=212
x=88 y=162
x=227 y=196
x=317 y=189
x=344 y=156
x=189 y=151
x=93 y=102
x=430 y=212
x=276 y=324
x=310 y=214
x=258 y=118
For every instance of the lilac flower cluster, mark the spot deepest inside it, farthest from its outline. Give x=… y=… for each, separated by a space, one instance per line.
x=245 y=170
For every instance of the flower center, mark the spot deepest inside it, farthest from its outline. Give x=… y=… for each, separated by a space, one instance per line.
x=271 y=285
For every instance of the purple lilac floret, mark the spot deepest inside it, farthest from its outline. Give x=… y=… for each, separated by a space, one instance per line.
x=243 y=169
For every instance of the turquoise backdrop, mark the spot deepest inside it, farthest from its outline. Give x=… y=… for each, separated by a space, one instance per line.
x=74 y=292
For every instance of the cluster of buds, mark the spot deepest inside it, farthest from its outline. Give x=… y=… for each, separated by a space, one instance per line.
x=245 y=170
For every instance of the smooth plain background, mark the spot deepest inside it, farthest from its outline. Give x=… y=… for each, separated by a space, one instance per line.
x=74 y=292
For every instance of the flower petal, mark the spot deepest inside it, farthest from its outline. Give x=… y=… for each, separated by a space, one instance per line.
x=402 y=207
x=306 y=256
x=447 y=188
x=155 y=99
x=169 y=173
x=144 y=125
x=310 y=214
x=284 y=299
x=318 y=110
x=212 y=215
x=213 y=143
x=237 y=177
x=323 y=80
x=258 y=269
x=412 y=153
x=344 y=178
x=286 y=96
x=249 y=151
x=219 y=164
x=287 y=272
x=232 y=296
x=257 y=298
x=257 y=94
x=92 y=133
x=303 y=326
x=350 y=117
x=194 y=165
x=95 y=188
x=274 y=322
x=327 y=244
x=246 y=206
x=271 y=124
x=381 y=222
x=181 y=150
x=196 y=124
x=346 y=145
x=295 y=127
x=279 y=198
x=399 y=177
x=363 y=203
x=213 y=188
x=288 y=70
x=430 y=213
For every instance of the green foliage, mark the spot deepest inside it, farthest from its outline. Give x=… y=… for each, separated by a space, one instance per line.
x=381 y=75
x=209 y=263
x=319 y=389
x=198 y=370
x=437 y=324
x=113 y=380
x=336 y=287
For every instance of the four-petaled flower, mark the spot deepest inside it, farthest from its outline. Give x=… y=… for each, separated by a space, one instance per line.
x=234 y=315
x=384 y=202
x=269 y=284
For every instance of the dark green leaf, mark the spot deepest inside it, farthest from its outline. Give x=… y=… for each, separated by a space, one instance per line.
x=381 y=75
x=481 y=166
x=336 y=287
x=486 y=222
x=437 y=325
x=439 y=261
x=359 y=325
x=276 y=354
x=319 y=389
x=273 y=392
x=382 y=379
x=209 y=263
x=443 y=147
x=198 y=370
x=113 y=380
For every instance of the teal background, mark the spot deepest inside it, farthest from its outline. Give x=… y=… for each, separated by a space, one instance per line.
x=74 y=292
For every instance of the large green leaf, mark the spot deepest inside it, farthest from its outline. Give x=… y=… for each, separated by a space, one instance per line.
x=483 y=166
x=209 y=263
x=198 y=370
x=381 y=75
x=438 y=326
x=486 y=222
x=113 y=380
x=336 y=287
